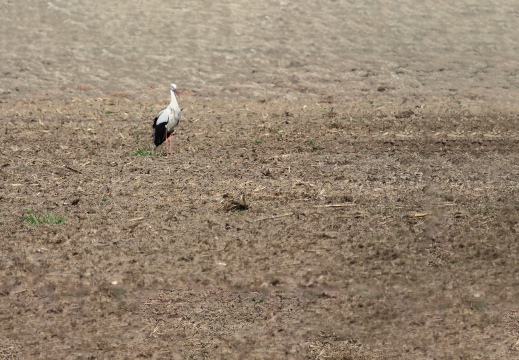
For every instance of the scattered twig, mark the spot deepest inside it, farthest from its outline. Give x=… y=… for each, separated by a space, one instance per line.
x=237 y=203
x=275 y=216
x=136 y=219
x=421 y=214
x=72 y=169
x=132 y=227
x=154 y=331
x=334 y=205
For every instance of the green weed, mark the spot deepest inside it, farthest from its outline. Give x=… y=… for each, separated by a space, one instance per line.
x=485 y=209
x=384 y=209
x=144 y=152
x=447 y=197
x=37 y=219
x=117 y=293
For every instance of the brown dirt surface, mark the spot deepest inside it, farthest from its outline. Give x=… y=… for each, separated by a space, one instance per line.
x=343 y=183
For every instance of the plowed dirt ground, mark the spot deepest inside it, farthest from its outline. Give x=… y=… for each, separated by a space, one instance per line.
x=327 y=198
x=287 y=230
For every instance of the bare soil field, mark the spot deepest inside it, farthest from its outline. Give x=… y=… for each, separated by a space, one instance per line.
x=343 y=183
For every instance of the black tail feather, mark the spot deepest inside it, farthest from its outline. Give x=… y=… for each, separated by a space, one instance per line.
x=159 y=133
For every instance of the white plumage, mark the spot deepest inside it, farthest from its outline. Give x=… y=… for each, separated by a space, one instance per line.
x=167 y=120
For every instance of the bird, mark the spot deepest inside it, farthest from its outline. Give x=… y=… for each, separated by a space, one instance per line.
x=167 y=120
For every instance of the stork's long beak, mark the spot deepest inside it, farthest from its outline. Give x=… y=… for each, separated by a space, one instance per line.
x=176 y=92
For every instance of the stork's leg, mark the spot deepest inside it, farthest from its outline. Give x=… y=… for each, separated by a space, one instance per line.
x=166 y=144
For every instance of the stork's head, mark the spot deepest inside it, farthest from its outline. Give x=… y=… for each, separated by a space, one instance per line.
x=173 y=88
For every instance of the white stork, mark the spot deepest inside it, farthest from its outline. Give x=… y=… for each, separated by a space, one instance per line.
x=167 y=120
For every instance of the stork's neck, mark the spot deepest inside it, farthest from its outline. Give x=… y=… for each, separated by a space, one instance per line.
x=174 y=102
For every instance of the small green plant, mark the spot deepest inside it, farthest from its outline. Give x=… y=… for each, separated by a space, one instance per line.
x=312 y=143
x=37 y=219
x=105 y=199
x=117 y=293
x=109 y=112
x=258 y=141
x=2 y=223
x=144 y=152
x=447 y=197
x=485 y=209
x=318 y=153
x=480 y=305
x=384 y=209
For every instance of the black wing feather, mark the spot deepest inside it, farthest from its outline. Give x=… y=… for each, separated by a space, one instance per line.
x=159 y=133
